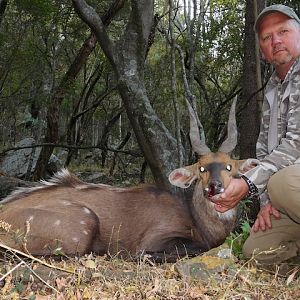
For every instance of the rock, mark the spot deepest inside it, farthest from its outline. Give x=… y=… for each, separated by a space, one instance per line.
x=54 y=164
x=8 y=184
x=92 y=177
x=22 y=163
x=217 y=263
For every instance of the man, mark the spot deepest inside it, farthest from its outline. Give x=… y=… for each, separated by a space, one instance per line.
x=275 y=236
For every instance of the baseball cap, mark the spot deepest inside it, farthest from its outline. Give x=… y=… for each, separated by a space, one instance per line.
x=286 y=10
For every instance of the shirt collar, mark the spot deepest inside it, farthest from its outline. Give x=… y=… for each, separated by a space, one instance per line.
x=274 y=79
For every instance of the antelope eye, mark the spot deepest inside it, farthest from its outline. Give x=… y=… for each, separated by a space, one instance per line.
x=202 y=169
x=228 y=167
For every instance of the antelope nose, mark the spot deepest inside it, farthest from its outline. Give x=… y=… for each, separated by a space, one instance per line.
x=215 y=184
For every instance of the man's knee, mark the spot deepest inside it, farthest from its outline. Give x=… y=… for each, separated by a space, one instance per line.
x=270 y=254
x=284 y=190
x=255 y=245
x=248 y=249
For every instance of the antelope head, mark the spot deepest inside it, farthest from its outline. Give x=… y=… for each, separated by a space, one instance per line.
x=213 y=170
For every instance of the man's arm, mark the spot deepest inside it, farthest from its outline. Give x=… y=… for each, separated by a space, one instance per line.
x=285 y=154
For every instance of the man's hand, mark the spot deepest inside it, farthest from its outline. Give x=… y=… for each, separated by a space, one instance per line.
x=233 y=194
x=263 y=220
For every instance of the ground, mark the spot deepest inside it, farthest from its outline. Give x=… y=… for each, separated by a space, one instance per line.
x=91 y=277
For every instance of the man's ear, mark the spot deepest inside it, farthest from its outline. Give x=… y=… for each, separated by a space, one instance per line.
x=183 y=177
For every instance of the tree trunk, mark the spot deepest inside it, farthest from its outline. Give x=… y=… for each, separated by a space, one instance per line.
x=251 y=95
x=127 y=58
x=3 y=5
x=174 y=85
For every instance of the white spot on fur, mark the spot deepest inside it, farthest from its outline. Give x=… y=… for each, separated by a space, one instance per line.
x=30 y=218
x=83 y=186
x=75 y=239
x=82 y=222
x=57 y=222
x=86 y=210
x=66 y=203
x=85 y=232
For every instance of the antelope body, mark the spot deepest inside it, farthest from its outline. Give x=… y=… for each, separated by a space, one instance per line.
x=67 y=215
x=70 y=216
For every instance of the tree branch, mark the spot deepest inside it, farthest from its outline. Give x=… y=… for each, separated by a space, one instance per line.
x=132 y=153
x=93 y=20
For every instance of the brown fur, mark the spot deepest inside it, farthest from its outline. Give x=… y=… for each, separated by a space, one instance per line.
x=78 y=218
x=70 y=216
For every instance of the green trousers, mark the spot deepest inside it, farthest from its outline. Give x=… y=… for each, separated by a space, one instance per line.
x=282 y=241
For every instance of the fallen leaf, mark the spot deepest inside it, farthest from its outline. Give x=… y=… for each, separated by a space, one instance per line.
x=90 y=264
x=61 y=283
x=292 y=276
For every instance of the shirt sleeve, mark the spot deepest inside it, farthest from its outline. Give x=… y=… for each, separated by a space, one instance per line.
x=285 y=154
x=262 y=141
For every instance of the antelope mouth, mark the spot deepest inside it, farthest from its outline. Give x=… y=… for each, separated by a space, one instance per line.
x=213 y=191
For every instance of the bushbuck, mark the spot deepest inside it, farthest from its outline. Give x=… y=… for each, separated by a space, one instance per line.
x=67 y=215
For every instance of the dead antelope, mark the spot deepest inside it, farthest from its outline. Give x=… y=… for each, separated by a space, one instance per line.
x=67 y=215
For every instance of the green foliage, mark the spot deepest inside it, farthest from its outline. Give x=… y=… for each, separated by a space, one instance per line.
x=37 y=8
x=218 y=38
x=19 y=288
x=236 y=239
x=21 y=285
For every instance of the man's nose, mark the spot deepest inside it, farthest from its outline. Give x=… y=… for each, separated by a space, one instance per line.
x=276 y=39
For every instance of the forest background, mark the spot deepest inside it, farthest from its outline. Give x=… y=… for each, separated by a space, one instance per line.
x=119 y=105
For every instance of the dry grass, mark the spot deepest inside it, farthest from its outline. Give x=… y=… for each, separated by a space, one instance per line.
x=92 y=277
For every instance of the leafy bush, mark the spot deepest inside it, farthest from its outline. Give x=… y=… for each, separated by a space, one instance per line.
x=237 y=239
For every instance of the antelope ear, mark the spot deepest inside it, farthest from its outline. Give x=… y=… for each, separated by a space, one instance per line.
x=247 y=164
x=182 y=177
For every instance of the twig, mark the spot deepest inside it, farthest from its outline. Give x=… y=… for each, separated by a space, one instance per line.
x=11 y=270
x=36 y=259
x=235 y=276
x=253 y=258
x=35 y=274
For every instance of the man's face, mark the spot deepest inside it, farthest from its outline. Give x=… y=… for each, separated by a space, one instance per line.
x=279 y=39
